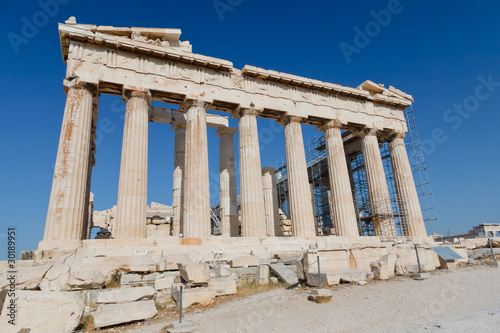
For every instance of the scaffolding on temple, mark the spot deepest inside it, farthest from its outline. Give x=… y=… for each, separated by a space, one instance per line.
x=318 y=178
x=420 y=174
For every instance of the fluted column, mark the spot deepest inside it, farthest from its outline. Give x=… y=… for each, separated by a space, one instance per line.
x=227 y=180
x=412 y=219
x=196 y=222
x=133 y=182
x=342 y=204
x=66 y=212
x=178 y=182
x=87 y=221
x=273 y=223
x=253 y=221
x=378 y=192
x=299 y=191
x=349 y=159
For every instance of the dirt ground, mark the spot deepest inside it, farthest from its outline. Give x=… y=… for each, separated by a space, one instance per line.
x=464 y=300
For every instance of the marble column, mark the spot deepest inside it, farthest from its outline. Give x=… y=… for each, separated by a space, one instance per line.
x=378 y=192
x=178 y=182
x=66 y=211
x=227 y=181
x=349 y=159
x=133 y=182
x=87 y=225
x=253 y=221
x=412 y=219
x=299 y=191
x=196 y=222
x=273 y=223
x=342 y=204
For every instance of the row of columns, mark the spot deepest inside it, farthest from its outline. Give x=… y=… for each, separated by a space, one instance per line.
x=191 y=202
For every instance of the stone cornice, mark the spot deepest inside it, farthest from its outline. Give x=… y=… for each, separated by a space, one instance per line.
x=91 y=34
x=298 y=81
x=85 y=33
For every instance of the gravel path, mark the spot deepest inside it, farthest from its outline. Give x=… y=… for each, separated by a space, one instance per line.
x=465 y=300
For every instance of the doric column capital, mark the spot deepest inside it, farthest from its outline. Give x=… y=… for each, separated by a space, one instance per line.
x=240 y=112
x=395 y=140
x=129 y=93
x=334 y=123
x=225 y=130
x=397 y=135
x=195 y=102
x=76 y=83
x=287 y=119
x=366 y=132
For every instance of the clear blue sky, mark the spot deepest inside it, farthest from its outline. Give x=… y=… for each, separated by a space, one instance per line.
x=433 y=50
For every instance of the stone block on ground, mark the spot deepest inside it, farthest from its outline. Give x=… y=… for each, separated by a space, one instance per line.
x=390 y=259
x=413 y=268
x=379 y=269
x=139 y=263
x=26 y=278
x=164 y=281
x=56 y=279
x=114 y=314
x=245 y=261
x=246 y=275
x=301 y=275
x=194 y=273
x=105 y=264
x=138 y=280
x=482 y=253
x=80 y=280
x=321 y=295
x=163 y=297
x=399 y=268
x=120 y=295
x=329 y=278
x=263 y=274
x=223 y=270
x=222 y=286
x=43 y=312
x=170 y=262
x=202 y=295
x=349 y=276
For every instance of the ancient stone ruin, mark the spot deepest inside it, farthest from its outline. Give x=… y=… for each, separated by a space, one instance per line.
x=159 y=248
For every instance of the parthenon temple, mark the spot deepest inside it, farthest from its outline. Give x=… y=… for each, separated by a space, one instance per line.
x=344 y=208
x=145 y=64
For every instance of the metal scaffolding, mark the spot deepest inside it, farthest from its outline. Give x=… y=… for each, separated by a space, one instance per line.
x=318 y=178
x=420 y=174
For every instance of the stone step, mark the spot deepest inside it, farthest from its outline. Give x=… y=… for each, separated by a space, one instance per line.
x=284 y=273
